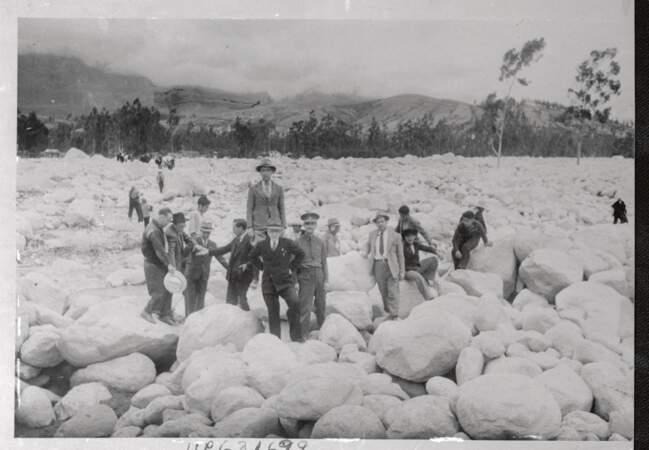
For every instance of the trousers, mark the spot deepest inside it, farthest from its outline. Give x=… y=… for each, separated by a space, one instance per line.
x=237 y=293
x=195 y=294
x=293 y=314
x=311 y=293
x=160 y=301
x=134 y=205
x=424 y=273
x=465 y=249
x=388 y=287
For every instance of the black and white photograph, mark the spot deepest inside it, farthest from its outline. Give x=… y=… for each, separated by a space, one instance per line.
x=290 y=230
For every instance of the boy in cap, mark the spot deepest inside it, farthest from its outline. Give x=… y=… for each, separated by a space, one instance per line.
x=331 y=239
x=407 y=222
x=197 y=270
x=385 y=250
x=312 y=274
x=278 y=257
x=155 y=249
x=467 y=237
x=419 y=271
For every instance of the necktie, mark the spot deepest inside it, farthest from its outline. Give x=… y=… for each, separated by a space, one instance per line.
x=274 y=245
x=381 y=248
x=310 y=249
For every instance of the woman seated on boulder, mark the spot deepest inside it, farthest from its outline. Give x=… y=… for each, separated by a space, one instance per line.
x=467 y=237
x=421 y=272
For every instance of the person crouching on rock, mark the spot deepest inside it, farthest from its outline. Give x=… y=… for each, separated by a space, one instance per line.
x=278 y=257
x=619 y=212
x=421 y=272
x=239 y=270
x=157 y=263
x=385 y=250
x=197 y=270
x=467 y=237
x=134 y=204
x=160 y=179
x=331 y=239
x=312 y=275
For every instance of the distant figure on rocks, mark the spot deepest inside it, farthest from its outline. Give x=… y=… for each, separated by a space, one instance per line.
x=145 y=158
x=134 y=204
x=240 y=271
x=158 y=161
x=478 y=215
x=467 y=237
x=120 y=157
x=197 y=270
x=180 y=245
x=407 y=222
x=421 y=272
x=619 y=211
x=278 y=257
x=384 y=248
x=160 y=178
x=331 y=239
x=157 y=263
x=146 y=210
x=312 y=275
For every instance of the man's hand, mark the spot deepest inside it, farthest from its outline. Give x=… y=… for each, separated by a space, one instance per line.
x=326 y=286
x=171 y=269
x=250 y=232
x=242 y=267
x=458 y=254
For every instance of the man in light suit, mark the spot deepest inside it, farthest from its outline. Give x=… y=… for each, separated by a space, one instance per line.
x=384 y=248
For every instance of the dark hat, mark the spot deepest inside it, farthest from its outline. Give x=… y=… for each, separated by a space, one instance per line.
x=379 y=215
x=203 y=200
x=241 y=223
x=468 y=215
x=178 y=218
x=404 y=210
x=265 y=162
x=309 y=215
x=409 y=231
x=274 y=224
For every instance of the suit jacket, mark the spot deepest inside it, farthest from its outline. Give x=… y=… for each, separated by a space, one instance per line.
x=198 y=266
x=261 y=208
x=180 y=246
x=412 y=259
x=332 y=244
x=393 y=251
x=239 y=250
x=278 y=264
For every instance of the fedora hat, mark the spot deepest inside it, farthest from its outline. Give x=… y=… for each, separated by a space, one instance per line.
x=333 y=221
x=265 y=162
x=207 y=226
x=309 y=215
x=175 y=282
x=379 y=215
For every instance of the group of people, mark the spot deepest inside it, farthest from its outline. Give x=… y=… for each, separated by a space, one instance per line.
x=293 y=262
x=161 y=162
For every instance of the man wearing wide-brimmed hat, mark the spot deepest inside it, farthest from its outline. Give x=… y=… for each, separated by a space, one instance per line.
x=279 y=257
x=384 y=248
x=265 y=201
x=331 y=239
x=197 y=270
x=312 y=275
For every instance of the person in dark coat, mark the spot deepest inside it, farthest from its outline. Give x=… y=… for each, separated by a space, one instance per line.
x=478 y=214
x=134 y=204
x=278 y=257
x=180 y=245
x=619 y=211
x=155 y=249
x=160 y=178
x=467 y=237
x=197 y=270
x=421 y=272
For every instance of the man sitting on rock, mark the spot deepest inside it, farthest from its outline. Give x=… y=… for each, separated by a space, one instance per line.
x=331 y=239
x=197 y=271
x=312 y=275
x=278 y=257
x=421 y=272
x=407 y=222
x=157 y=263
x=619 y=212
x=467 y=237
x=385 y=250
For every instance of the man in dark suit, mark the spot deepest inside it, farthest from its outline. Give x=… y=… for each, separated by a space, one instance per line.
x=240 y=271
x=278 y=257
x=197 y=271
x=421 y=272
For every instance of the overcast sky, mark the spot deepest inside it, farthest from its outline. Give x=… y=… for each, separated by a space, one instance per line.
x=456 y=58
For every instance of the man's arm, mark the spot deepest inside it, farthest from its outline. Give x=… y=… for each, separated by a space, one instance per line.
x=425 y=248
x=250 y=207
x=457 y=237
x=159 y=247
x=483 y=232
x=368 y=246
x=325 y=268
x=218 y=251
x=297 y=252
x=401 y=258
x=253 y=256
x=282 y=210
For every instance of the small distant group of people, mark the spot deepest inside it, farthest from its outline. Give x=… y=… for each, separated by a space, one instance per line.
x=168 y=162
x=139 y=204
x=291 y=257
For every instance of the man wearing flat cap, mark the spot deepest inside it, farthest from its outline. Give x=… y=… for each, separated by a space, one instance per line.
x=384 y=248
x=197 y=271
x=331 y=239
x=312 y=275
x=278 y=257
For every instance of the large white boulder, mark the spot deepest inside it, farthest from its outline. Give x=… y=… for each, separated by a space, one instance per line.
x=613 y=278
x=145 y=395
x=513 y=364
x=470 y=364
x=612 y=388
x=526 y=298
x=477 y=283
x=462 y=306
x=546 y=272
x=424 y=417
x=337 y=332
x=40 y=349
x=217 y=324
x=233 y=399
x=347 y=422
x=75 y=153
x=349 y=272
x=223 y=373
x=313 y=351
x=112 y=329
x=382 y=405
x=92 y=421
x=41 y=289
x=127 y=373
x=499 y=259
x=419 y=348
x=507 y=406
x=82 y=213
x=269 y=361
x=34 y=408
x=527 y=241
x=409 y=298
x=584 y=423
x=569 y=390
x=607 y=238
x=248 y=423
x=80 y=397
x=354 y=306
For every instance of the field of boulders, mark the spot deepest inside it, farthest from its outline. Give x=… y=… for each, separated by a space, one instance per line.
x=533 y=341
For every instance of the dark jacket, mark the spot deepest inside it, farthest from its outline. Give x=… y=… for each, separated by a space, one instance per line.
x=180 y=246
x=154 y=245
x=619 y=208
x=198 y=266
x=466 y=230
x=239 y=250
x=277 y=265
x=412 y=259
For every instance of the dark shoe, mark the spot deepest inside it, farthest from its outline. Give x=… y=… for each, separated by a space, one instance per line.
x=168 y=320
x=147 y=316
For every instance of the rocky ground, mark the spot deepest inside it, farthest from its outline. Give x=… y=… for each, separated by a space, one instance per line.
x=535 y=341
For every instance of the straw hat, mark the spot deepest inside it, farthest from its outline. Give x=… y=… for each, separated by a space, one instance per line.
x=175 y=282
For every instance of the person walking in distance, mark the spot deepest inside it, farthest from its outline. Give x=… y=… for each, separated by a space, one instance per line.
x=421 y=272
x=134 y=204
x=157 y=263
x=146 y=211
x=407 y=222
x=385 y=250
x=160 y=179
x=197 y=270
x=278 y=257
x=312 y=275
x=331 y=239
x=619 y=212
x=467 y=237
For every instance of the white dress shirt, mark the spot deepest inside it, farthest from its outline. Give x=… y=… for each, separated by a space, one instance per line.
x=377 y=246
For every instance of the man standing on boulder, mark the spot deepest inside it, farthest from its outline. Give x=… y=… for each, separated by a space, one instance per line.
x=421 y=272
x=467 y=237
x=197 y=271
x=278 y=257
x=331 y=239
x=407 y=222
x=240 y=271
x=312 y=275
x=385 y=250
x=155 y=249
